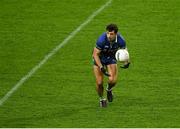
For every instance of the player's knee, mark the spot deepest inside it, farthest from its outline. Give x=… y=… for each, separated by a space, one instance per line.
x=112 y=80
x=99 y=83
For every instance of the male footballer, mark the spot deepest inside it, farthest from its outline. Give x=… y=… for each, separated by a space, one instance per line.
x=105 y=62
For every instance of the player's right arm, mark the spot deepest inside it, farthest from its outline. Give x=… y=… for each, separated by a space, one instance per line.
x=96 y=53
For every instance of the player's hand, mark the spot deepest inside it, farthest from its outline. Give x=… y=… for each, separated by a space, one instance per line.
x=103 y=70
x=126 y=65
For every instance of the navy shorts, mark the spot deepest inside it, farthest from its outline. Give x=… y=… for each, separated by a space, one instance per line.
x=106 y=61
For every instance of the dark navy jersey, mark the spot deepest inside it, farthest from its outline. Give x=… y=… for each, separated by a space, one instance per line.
x=108 y=49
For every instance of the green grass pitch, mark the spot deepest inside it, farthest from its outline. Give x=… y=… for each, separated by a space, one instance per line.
x=62 y=92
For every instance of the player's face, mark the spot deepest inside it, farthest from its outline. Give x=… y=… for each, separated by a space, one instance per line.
x=111 y=35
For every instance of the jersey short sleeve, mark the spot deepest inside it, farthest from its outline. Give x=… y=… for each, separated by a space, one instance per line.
x=99 y=45
x=100 y=42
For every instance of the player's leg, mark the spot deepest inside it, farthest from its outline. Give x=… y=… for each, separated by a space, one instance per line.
x=99 y=80
x=113 y=71
x=99 y=85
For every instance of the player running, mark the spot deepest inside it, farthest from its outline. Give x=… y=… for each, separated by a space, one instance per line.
x=105 y=63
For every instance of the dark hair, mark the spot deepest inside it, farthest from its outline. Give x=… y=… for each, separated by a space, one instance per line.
x=112 y=27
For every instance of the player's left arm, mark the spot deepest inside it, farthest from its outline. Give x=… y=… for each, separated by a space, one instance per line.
x=126 y=63
x=123 y=46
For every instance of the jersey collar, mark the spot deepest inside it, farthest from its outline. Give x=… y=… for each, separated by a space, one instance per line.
x=116 y=38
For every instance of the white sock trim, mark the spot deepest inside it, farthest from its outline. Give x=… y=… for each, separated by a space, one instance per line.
x=101 y=99
x=108 y=89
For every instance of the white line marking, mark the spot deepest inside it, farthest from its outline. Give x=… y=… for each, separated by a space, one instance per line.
x=54 y=51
